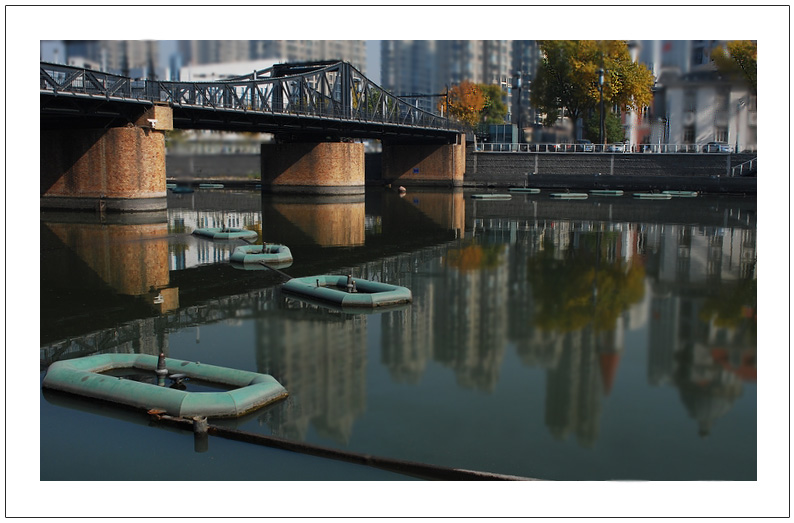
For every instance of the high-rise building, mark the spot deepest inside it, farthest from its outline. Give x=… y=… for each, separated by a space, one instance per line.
x=119 y=56
x=429 y=67
x=408 y=67
x=526 y=57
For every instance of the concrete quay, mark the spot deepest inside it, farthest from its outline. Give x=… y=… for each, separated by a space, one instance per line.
x=706 y=173
x=628 y=171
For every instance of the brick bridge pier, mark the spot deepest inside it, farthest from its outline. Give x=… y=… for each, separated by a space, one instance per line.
x=113 y=169
x=338 y=167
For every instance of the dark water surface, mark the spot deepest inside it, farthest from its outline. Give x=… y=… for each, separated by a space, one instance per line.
x=601 y=339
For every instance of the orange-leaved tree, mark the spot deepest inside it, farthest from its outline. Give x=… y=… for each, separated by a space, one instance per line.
x=464 y=102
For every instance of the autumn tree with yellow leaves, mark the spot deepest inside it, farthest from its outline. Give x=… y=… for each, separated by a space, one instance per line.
x=739 y=59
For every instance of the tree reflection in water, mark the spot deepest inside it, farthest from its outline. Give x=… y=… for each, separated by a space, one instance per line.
x=584 y=283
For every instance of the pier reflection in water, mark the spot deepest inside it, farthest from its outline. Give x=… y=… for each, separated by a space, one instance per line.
x=603 y=339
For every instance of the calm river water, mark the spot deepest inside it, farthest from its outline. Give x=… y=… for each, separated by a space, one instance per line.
x=602 y=339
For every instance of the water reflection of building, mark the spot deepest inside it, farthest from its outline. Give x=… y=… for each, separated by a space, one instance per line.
x=473 y=317
x=574 y=389
x=706 y=357
x=472 y=324
x=320 y=356
x=145 y=336
x=407 y=335
x=187 y=251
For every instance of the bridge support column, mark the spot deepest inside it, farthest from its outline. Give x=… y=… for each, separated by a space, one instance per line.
x=116 y=169
x=425 y=164
x=313 y=168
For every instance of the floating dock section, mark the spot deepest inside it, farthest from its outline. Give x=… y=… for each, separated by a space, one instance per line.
x=606 y=192
x=681 y=194
x=344 y=291
x=491 y=196
x=225 y=233
x=83 y=376
x=270 y=254
x=651 y=196
x=569 y=195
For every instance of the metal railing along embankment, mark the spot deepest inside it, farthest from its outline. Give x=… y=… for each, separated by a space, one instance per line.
x=487 y=147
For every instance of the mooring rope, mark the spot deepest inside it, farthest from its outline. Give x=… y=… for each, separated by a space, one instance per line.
x=283 y=274
x=409 y=468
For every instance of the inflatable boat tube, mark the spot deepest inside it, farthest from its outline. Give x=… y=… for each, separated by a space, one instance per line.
x=82 y=376
x=333 y=289
x=529 y=190
x=226 y=233
x=569 y=195
x=271 y=254
x=210 y=186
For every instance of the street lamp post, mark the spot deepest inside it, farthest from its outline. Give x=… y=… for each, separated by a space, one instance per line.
x=601 y=95
x=518 y=88
x=739 y=106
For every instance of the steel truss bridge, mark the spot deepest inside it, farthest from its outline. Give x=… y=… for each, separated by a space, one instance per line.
x=306 y=101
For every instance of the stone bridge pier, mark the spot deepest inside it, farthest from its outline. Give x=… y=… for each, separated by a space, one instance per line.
x=114 y=169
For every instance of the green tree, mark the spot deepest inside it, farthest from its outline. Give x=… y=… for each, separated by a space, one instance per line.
x=494 y=111
x=612 y=124
x=738 y=59
x=568 y=78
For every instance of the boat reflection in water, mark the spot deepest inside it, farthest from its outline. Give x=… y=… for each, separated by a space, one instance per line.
x=543 y=335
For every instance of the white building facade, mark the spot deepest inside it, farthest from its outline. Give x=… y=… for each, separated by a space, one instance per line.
x=693 y=104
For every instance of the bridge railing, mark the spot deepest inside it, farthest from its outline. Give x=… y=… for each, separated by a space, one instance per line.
x=74 y=80
x=745 y=168
x=333 y=90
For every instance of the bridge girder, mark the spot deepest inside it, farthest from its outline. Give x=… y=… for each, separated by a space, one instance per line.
x=330 y=99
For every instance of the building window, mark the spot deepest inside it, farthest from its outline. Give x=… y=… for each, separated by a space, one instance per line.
x=690 y=101
x=721 y=134
x=697 y=56
x=689 y=134
x=721 y=100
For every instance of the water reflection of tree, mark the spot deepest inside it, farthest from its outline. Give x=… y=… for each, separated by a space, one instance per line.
x=734 y=307
x=475 y=256
x=582 y=284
